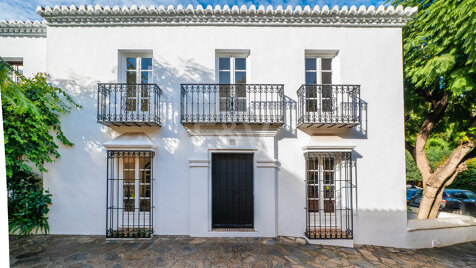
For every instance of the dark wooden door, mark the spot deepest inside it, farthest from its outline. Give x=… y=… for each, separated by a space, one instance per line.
x=232 y=190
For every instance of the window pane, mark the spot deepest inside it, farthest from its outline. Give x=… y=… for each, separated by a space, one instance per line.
x=144 y=92
x=146 y=64
x=329 y=163
x=225 y=91
x=129 y=163
x=131 y=63
x=145 y=205
x=129 y=191
x=326 y=64
x=313 y=205
x=312 y=164
x=145 y=191
x=224 y=64
x=326 y=77
x=326 y=91
x=240 y=77
x=311 y=64
x=131 y=77
x=131 y=105
x=311 y=92
x=328 y=191
x=240 y=63
x=144 y=165
x=327 y=105
x=128 y=204
x=240 y=105
x=328 y=177
x=224 y=78
x=240 y=91
x=144 y=77
x=225 y=104
x=129 y=176
x=311 y=78
x=329 y=206
x=313 y=177
x=313 y=192
x=311 y=105
x=144 y=105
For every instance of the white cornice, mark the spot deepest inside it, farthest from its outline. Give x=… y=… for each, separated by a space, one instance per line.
x=245 y=16
x=22 y=28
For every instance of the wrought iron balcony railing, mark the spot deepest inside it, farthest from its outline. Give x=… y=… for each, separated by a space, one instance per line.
x=232 y=103
x=122 y=104
x=329 y=105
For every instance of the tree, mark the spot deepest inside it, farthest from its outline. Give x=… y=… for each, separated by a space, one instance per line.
x=439 y=48
x=31 y=112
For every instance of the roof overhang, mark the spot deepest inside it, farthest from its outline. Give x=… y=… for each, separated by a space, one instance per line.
x=89 y=15
x=130 y=141
x=22 y=28
x=328 y=144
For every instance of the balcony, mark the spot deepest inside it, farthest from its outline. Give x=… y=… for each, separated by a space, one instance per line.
x=121 y=104
x=232 y=104
x=328 y=106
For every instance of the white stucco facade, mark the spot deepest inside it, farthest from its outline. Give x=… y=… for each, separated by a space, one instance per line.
x=76 y=56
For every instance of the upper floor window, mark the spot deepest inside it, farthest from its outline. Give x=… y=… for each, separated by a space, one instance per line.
x=136 y=68
x=18 y=67
x=232 y=70
x=318 y=70
x=232 y=75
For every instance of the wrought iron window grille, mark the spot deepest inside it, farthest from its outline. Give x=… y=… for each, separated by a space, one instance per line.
x=329 y=206
x=123 y=104
x=129 y=203
x=232 y=103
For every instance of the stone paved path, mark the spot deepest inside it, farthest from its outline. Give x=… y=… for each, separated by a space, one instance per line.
x=177 y=251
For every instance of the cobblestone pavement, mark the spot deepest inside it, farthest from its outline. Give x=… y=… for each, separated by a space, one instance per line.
x=178 y=251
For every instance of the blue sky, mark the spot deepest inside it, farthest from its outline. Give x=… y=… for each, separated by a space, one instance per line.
x=26 y=9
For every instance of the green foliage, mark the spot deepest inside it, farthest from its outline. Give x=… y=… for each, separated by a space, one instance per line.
x=27 y=203
x=412 y=172
x=467 y=179
x=31 y=111
x=439 y=48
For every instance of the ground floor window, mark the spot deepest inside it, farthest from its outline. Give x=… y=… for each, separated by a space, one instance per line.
x=129 y=194
x=329 y=195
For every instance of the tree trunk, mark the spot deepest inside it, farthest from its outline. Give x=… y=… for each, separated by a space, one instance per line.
x=429 y=194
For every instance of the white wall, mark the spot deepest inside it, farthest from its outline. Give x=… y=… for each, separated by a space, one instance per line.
x=80 y=57
x=31 y=49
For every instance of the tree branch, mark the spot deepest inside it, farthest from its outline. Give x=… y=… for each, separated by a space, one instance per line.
x=455 y=160
x=462 y=167
x=469 y=155
x=411 y=149
x=438 y=110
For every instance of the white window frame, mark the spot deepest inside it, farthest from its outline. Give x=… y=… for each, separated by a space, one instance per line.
x=136 y=216
x=232 y=55
x=122 y=76
x=318 y=56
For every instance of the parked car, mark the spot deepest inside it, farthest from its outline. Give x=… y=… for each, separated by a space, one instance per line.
x=467 y=197
x=453 y=201
x=411 y=192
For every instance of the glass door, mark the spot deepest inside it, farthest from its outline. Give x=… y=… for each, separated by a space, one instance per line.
x=319 y=95
x=232 y=80
x=136 y=192
x=138 y=92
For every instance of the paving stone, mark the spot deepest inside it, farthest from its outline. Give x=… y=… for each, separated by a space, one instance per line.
x=181 y=251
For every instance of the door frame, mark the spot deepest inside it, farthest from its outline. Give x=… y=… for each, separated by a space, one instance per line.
x=256 y=206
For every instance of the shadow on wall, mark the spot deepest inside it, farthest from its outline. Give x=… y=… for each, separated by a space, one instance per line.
x=361 y=131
